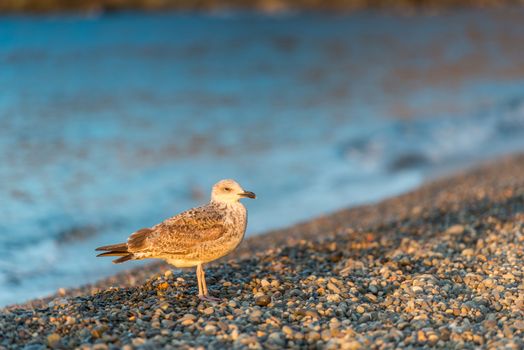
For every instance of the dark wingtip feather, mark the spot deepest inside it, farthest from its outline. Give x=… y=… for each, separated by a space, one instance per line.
x=123 y=259
x=121 y=247
x=112 y=253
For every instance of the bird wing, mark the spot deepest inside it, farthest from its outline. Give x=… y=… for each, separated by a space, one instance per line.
x=180 y=234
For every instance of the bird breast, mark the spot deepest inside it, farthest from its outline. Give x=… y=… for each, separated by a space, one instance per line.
x=236 y=216
x=235 y=221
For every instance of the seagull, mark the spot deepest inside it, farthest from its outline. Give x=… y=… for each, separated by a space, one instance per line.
x=193 y=237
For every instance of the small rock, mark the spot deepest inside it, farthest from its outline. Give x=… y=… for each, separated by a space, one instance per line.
x=255 y=316
x=432 y=338
x=163 y=286
x=488 y=324
x=333 y=298
x=312 y=314
x=488 y=282
x=53 y=340
x=287 y=331
x=187 y=322
x=421 y=336
x=209 y=311
x=332 y=287
x=168 y=324
x=296 y=293
x=417 y=289
x=468 y=252
x=276 y=338
x=371 y=297
x=519 y=324
x=210 y=329
x=366 y=317
x=138 y=341
x=265 y=283
x=312 y=337
x=298 y=336
x=402 y=325
x=352 y=345
x=455 y=230
x=263 y=300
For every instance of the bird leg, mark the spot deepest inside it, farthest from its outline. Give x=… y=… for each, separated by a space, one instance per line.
x=202 y=287
x=200 y=292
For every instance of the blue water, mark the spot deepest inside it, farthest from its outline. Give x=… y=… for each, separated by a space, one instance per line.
x=113 y=123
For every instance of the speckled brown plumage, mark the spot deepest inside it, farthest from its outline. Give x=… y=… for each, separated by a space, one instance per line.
x=198 y=235
x=194 y=237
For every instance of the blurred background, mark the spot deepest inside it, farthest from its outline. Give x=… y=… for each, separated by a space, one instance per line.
x=115 y=115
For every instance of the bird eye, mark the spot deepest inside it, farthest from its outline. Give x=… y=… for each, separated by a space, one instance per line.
x=227 y=189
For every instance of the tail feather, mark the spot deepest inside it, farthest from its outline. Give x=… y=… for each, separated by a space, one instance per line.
x=124 y=256
x=119 y=249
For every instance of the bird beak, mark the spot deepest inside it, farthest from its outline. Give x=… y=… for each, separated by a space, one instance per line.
x=247 y=194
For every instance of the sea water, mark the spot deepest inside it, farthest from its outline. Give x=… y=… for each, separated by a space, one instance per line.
x=111 y=123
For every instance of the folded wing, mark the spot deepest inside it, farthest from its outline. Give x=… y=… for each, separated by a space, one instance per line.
x=179 y=235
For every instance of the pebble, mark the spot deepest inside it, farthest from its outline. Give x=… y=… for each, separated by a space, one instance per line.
x=312 y=336
x=168 y=323
x=371 y=297
x=255 y=316
x=187 y=322
x=519 y=324
x=265 y=283
x=468 y=252
x=421 y=336
x=332 y=287
x=287 y=331
x=455 y=230
x=488 y=282
x=334 y=298
x=210 y=329
x=138 y=341
x=53 y=340
x=417 y=289
x=276 y=337
x=263 y=300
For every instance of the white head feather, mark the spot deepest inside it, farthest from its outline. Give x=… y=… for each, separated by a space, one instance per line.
x=229 y=191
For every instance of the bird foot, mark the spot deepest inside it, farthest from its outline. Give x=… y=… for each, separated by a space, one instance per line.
x=208 y=298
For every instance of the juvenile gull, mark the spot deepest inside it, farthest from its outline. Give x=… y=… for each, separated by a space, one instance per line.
x=194 y=237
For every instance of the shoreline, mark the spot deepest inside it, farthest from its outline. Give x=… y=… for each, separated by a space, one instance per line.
x=438 y=266
x=263 y=6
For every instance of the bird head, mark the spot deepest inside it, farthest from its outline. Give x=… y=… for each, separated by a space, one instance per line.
x=229 y=191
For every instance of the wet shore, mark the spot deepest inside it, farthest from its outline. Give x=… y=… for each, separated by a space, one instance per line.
x=438 y=267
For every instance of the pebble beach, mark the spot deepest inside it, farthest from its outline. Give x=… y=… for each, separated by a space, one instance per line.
x=439 y=267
